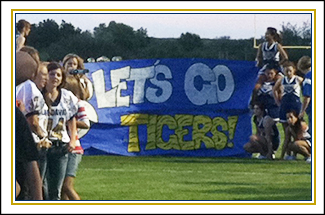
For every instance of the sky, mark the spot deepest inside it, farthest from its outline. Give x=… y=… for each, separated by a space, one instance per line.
x=159 y=25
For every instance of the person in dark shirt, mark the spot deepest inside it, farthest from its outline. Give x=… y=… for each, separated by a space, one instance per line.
x=27 y=171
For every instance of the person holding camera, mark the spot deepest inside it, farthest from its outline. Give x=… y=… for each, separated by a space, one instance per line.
x=76 y=77
x=62 y=131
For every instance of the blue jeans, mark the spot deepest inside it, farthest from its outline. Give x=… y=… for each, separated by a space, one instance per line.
x=73 y=163
x=57 y=165
x=42 y=162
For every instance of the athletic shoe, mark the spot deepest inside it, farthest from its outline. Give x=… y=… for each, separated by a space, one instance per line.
x=261 y=157
x=308 y=160
x=290 y=157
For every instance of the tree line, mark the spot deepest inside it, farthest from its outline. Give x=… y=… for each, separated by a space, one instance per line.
x=54 y=41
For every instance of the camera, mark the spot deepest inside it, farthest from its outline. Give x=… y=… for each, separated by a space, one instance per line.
x=79 y=71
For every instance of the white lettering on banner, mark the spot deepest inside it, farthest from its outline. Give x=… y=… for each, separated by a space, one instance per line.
x=104 y=99
x=113 y=98
x=139 y=76
x=202 y=85
x=225 y=94
x=210 y=92
x=166 y=86
x=116 y=76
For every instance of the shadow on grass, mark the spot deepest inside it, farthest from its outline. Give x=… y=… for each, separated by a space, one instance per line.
x=253 y=194
x=221 y=160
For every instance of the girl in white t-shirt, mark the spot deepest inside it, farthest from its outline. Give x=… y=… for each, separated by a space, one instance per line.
x=62 y=129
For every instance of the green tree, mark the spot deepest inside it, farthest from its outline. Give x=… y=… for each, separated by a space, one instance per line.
x=190 y=41
x=44 y=34
x=67 y=30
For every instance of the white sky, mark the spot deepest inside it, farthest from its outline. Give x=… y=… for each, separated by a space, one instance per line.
x=237 y=26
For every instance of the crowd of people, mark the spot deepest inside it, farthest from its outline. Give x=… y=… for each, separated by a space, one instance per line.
x=276 y=98
x=50 y=109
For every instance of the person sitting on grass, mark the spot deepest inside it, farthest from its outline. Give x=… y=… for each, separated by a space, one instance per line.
x=266 y=140
x=297 y=138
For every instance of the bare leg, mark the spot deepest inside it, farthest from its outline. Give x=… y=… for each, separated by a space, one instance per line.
x=255 y=145
x=17 y=188
x=284 y=126
x=68 y=191
x=301 y=147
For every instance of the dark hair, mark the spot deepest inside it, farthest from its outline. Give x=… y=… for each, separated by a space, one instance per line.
x=21 y=24
x=297 y=126
x=55 y=65
x=288 y=63
x=275 y=34
x=260 y=106
x=272 y=66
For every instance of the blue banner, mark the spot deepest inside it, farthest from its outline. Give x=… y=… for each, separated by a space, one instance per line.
x=176 y=107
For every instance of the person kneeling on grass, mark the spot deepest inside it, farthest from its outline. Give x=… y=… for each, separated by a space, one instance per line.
x=297 y=137
x=267 y=139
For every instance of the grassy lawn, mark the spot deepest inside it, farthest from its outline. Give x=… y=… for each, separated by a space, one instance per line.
x=193 y=178
x=184 y=178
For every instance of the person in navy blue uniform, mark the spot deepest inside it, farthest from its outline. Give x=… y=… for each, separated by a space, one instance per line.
x=265 y=94
x=267 y=139
x=289 y=99
x=304 y=65
x=269 y=54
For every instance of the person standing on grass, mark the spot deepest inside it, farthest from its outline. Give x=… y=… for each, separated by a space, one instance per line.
x=28 y=94
x=72 y=62
x=289 y=99
x=61 y=128
x=298 y=131
x=267 y=139
x=27 y=171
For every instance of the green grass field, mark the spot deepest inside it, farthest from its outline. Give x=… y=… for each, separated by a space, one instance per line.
x=193 y=178
x=184 y=178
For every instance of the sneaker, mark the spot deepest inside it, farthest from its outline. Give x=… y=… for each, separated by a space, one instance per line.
x=308 y=160
x=261 y=157
x=290 y=157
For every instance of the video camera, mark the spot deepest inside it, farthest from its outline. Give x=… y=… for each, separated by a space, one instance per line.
x=79 y=71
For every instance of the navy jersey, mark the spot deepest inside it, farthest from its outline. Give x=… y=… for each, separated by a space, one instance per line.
x=271 y=54
x=291 y=88
x=290 y=97
x=265 y=94
x=275 y=135
x=266 y=97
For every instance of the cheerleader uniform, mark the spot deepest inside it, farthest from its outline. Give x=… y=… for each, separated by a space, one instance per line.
x=290 y=97
x=275 y=135
x=271 y=57
x=266 y=97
